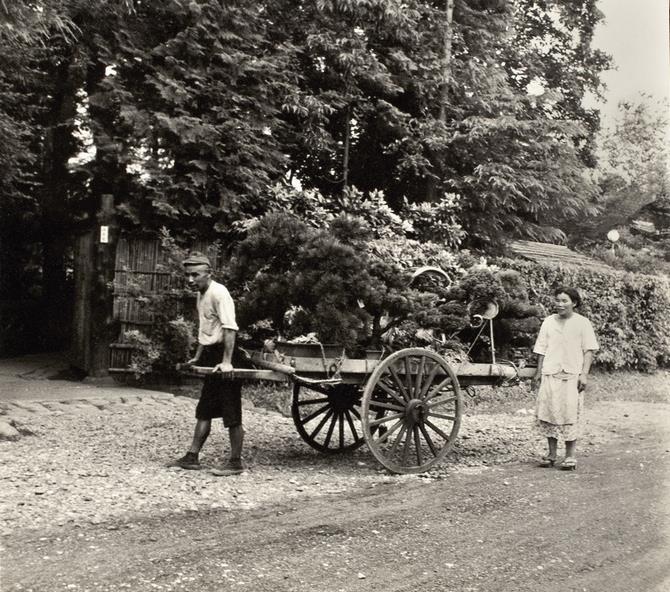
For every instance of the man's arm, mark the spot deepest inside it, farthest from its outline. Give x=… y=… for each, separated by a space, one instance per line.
x=228 y=346
x=196 y=357
x=583 y=377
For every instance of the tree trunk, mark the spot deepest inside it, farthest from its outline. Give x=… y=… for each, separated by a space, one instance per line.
x=446 y=59
x=347 y=143
x=447 y=39
x=56 y=232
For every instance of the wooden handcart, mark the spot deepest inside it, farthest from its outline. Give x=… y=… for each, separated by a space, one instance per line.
x=406 y=406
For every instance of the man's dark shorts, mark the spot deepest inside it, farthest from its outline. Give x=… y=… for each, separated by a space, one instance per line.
x=220 y=397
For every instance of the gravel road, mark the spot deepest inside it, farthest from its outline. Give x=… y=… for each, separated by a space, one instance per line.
x=89 y=505
x=99 y=459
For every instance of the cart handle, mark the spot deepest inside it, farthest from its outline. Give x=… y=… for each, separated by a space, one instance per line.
x=276 y=366
x=288 y=371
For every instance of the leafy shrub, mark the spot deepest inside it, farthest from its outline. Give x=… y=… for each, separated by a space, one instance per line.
x=434 y=222
x=144 y=353
x=160 y=349
x=407 y=254
x=327 y=277
x=630 y=258
x=645 y=359
x=629 y=312
x=343 y=285
x=423 y=222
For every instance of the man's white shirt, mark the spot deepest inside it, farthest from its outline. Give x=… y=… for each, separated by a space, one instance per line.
x=216 y=312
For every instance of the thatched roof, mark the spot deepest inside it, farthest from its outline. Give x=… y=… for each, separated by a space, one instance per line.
x=547 y=253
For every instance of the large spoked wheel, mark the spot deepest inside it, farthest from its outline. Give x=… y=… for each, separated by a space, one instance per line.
x=411 y=410
x=328 y=417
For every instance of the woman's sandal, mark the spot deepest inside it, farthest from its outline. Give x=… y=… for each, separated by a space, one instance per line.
x=547 y=462
x=569 y=464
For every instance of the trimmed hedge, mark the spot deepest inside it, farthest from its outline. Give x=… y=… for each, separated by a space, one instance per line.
x=630 y=312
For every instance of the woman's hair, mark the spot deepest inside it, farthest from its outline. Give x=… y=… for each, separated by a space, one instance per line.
x=574 y=295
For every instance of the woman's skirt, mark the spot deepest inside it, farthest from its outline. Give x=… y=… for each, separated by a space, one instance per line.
x=560 y=407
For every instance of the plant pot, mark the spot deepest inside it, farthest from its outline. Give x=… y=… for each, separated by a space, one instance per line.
x=309 y=350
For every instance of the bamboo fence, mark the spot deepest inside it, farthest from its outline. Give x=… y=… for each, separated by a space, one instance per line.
x=142 y=269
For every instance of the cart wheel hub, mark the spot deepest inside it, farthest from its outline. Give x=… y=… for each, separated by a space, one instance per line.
x=416 y=411
x=343 y=397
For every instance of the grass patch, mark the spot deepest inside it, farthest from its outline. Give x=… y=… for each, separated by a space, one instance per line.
x=603 y=386
x=631 y=386
x=276 y=396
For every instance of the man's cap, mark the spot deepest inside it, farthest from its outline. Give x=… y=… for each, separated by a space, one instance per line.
x=196 y=259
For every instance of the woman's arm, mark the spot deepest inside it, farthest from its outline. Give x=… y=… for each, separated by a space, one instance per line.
x=586 y=368
x=535 y=382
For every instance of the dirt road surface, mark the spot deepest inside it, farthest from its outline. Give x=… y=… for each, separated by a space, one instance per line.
x=513 y=527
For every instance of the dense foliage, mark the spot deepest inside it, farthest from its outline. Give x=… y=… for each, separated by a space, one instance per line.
x=190 y=111
x=337 y=283
x=341 y=285
x=634 y=184
x=630 y=312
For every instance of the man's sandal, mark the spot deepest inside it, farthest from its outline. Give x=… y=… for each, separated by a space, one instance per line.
x=569 y=464
x=547 y=462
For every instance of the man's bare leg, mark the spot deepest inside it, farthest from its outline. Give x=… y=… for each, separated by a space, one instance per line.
x=200 y=435
x=234 y=465
x=236 y=441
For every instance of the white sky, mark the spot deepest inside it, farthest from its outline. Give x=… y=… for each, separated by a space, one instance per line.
x=635 y=33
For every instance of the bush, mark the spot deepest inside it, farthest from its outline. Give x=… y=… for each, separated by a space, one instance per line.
x=650 y=256
x=342 y=284
x=419 y=222
x=629 y=312
x=144 y=354
x=297 y=279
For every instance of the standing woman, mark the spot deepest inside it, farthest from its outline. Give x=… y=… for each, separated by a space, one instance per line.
x=565 y=347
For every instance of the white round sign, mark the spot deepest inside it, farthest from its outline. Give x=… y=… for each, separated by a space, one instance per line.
x=613 y=236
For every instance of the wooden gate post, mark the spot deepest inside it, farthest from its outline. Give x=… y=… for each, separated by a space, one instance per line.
x=93 y=327
x=103 y=328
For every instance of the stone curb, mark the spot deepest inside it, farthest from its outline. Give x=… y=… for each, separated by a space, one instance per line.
x=15 y=416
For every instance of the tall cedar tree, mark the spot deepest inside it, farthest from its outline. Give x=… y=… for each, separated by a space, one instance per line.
x=198 y=91
x=369 y=112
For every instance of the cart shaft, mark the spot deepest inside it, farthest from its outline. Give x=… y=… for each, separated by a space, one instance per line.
x=356 y=371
